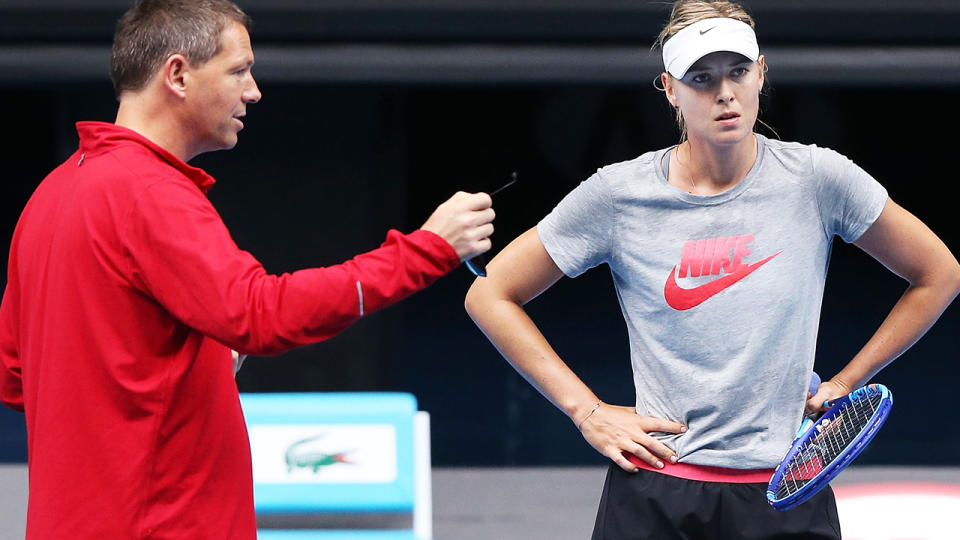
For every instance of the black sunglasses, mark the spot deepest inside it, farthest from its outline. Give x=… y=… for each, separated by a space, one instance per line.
x=478 y=265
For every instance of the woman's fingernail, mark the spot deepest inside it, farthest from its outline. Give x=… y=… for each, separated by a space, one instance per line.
x=673 y=459
x=659 y=464
x=683 y=429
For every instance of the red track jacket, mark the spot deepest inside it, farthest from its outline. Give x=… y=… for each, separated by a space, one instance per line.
x=125 y=292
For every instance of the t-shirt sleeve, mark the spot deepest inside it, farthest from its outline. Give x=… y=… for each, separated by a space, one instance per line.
x=850 y=200
x=578 y=233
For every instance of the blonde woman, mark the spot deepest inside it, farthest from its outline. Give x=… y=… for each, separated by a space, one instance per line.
x=718 y=248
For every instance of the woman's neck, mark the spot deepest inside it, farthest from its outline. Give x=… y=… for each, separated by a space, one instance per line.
x=706 y=169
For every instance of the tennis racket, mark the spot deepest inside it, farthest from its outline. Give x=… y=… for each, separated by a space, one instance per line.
x=824 y=448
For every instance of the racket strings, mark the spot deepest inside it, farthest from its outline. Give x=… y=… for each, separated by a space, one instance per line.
x=834 y=436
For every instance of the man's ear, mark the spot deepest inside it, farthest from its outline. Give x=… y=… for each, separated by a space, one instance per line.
x=174 y=73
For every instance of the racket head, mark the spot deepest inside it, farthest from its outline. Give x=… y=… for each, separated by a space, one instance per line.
x=786 y=472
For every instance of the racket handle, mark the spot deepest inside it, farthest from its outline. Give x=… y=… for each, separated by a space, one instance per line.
x=807 y=421
x=814 y=385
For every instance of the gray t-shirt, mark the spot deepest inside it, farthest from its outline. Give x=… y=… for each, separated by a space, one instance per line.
x=721 y=294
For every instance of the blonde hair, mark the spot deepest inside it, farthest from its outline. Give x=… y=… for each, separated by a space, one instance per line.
x=687 y=12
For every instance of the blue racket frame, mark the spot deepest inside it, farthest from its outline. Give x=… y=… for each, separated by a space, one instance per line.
x=853 y=450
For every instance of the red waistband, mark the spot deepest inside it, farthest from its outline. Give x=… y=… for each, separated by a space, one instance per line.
x=706 y=473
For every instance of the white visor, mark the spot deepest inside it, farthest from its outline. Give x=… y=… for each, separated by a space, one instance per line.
x=708 y=36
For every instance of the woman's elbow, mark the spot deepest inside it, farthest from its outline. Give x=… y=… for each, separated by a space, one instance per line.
x=953 y=279
x=944 y=278
x=474 y=298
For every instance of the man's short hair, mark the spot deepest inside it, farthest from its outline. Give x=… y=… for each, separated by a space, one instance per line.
x=152 y=30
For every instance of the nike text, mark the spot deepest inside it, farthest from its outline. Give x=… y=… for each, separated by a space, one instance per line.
x=713 y=256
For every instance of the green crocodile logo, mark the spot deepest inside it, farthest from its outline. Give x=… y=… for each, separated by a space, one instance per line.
x=304 y=454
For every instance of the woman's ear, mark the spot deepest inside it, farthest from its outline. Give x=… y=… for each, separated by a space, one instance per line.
x=667 y=81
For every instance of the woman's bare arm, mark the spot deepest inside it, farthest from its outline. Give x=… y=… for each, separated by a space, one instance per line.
x=519 y=273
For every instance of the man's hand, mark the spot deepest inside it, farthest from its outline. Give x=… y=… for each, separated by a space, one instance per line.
x=613 y=429
x=465 y=222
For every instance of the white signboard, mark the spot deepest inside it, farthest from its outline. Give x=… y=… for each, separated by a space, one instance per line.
x=324 y=453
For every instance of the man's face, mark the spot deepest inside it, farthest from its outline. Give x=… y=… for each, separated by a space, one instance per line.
x=219 y=92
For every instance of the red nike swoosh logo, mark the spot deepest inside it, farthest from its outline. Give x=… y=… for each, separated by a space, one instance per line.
x=681 y=299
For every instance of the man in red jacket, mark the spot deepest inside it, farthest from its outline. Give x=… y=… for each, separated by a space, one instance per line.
x=126 y=294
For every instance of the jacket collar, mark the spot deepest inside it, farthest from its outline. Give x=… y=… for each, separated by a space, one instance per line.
x=99 y=137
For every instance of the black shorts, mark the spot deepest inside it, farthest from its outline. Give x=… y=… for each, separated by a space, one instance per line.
x=647 y=505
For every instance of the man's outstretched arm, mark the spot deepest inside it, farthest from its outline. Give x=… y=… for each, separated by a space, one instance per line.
x=182 y=255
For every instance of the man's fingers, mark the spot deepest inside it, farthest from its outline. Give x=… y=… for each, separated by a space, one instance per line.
x=477 y=247
x=473 y=201
x=483 y=231
x=482 y=246
x=484 y=216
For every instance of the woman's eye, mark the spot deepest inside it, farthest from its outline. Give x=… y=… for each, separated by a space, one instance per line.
x=701 y=78
x=739 y=72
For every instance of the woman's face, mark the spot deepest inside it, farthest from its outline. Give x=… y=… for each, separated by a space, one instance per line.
x=719 y=97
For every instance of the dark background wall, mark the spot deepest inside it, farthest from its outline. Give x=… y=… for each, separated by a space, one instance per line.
x=374 y=114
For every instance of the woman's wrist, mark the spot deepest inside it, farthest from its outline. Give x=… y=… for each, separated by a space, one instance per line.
x=589 y=413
